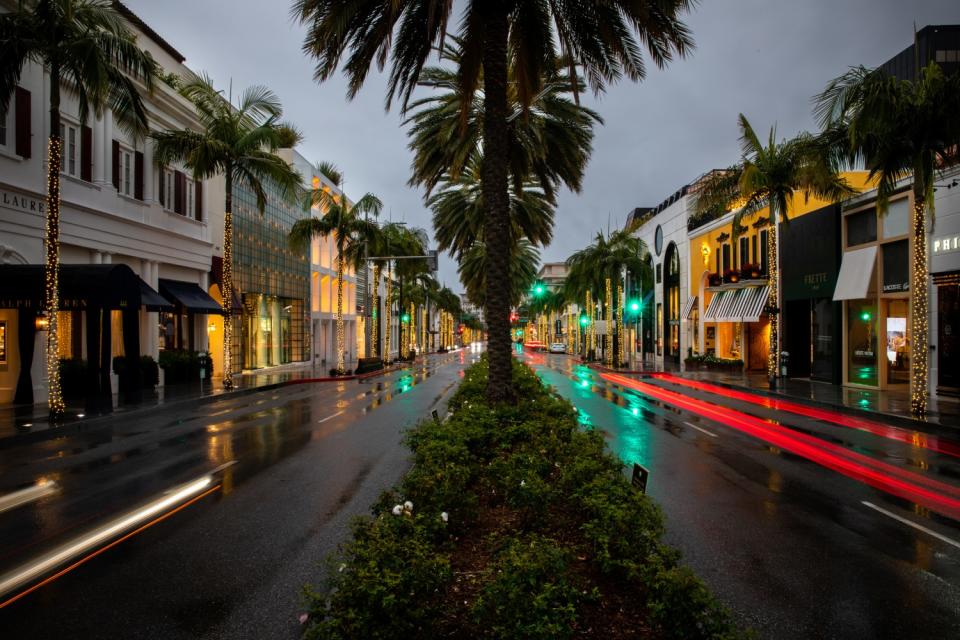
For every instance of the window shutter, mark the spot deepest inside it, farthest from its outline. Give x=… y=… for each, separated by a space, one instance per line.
x=22 y=116
x=138 y=175
x=86 y=153
x=116 y=165
x=198 y=199
x=163 y=192
x=178 y=185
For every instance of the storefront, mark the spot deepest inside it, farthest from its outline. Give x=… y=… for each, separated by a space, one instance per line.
x=944 y=250
x=874 y=287
x=809 y=266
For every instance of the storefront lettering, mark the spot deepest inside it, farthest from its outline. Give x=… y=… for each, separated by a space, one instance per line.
x=946 y=244
x=814 y=280
x=24 y=203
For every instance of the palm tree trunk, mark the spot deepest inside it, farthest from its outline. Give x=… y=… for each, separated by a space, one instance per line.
x=620 y=340
x=374 y=314
x=494 y=184
x=919 y=303
x=388 y=308
x=340 y=363
x=773 y=300
x=227 y=292
x=607 y=325
x=55 y=402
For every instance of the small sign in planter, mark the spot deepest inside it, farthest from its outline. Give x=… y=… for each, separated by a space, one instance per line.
x=639 y=478
x=436 y=416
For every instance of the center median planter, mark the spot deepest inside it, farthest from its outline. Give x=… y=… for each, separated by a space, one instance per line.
x=512 y=523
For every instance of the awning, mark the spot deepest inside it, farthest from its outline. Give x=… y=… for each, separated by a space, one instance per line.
x=107 y=286
x=688 y=307
x=151 y=300
x=755 y=303
x=188 y=295
x=730 y=311
x=856 y=271
x=719 y=299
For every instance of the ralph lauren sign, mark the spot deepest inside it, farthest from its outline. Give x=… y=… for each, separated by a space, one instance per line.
x=19 y=201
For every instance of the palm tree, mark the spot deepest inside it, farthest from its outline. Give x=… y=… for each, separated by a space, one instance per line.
x=594 y=270
x=239 y=143
x=770 y=176
x=521 y=271
x=351 y=230
x=898 y=129
x=605 y=39
x=88 y=51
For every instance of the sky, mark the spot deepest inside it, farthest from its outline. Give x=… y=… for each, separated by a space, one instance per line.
x=764 y=58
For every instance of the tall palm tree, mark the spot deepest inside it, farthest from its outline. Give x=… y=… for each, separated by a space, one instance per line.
x=898 y=129
x=605 y=39
x=240 y=143
x=770 y=176
x=88 y=51
x=522 y=267
x=595 y=268
x=351 y=229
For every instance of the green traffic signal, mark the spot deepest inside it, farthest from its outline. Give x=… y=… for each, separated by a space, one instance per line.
x=405 y=318
x=865 y=316
x=584 y=320
x=634 y=306
x=538 y=290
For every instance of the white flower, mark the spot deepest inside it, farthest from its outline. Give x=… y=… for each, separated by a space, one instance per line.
x=342 y=567
x=397 y=509
x=444 y=516
x=408 y=505
x=523 y=483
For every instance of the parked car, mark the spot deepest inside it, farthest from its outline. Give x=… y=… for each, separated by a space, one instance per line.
x=558 y=347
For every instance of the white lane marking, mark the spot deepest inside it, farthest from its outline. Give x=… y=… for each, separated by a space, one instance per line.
x=909 y=523
x=701 y=429
x=331 y=417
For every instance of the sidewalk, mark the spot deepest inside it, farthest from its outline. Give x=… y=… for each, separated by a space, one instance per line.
x=944 y=412
x=23 y=423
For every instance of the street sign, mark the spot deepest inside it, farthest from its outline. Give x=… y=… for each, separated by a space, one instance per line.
x=639 y=478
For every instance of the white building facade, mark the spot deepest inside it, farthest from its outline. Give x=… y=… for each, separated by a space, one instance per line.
x=117 y=208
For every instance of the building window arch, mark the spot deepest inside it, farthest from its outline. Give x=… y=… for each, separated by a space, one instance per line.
x=670 y=330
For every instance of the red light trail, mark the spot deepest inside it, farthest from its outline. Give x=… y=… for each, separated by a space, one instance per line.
x=925 y=441
x=928 y=492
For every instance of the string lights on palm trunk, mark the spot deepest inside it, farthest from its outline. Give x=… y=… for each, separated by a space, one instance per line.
x=55 y=401
x=919 y=349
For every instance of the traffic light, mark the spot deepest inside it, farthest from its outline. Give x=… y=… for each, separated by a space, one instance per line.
x=634 y=306
x=538 y=290
x=405 y=318
x=584 y=320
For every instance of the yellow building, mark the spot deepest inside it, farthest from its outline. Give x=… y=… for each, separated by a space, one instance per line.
x=726 y=312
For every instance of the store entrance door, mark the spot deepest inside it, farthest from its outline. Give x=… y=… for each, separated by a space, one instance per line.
x=948 y=324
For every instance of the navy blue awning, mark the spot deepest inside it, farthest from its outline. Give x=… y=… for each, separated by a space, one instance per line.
x=189 y=296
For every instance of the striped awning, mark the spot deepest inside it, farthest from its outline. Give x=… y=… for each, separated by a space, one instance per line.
x=718 y=299
x=737 y=305
x=757 y=302
x=688 y=307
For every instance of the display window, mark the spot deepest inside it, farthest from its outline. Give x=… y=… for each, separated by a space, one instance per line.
x=862 y=359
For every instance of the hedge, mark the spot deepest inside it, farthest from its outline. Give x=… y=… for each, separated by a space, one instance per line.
x=512 y=523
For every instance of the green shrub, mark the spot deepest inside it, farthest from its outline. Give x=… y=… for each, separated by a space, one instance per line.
x=149 y=371
x=682 y=607
x=529 y=594
x=382 y=585
x=181 y=366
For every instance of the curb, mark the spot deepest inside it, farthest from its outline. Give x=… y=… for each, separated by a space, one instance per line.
x=86 y=425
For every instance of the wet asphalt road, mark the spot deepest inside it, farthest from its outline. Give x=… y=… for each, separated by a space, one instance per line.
x=230 y=565
x=786 y=543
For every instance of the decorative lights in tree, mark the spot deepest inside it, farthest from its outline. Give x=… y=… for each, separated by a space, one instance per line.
x=608 y=325
x=773 y=311
x=620 y=340
x=387 y=311
x=341 y=365
x=52 y=275
x=919 y=349
x=374 y=316
x=226 y=296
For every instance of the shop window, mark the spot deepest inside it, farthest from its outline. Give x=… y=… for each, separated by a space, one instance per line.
x=659 y=330
x=753 y=243
x=726 y=258
x=898 y=342
x=948 y=326
x=70 y=134
x=764 y=250
x=3 y=128
x=895 y=270
x=862 y=227
x=744 y=257
x=116 y=333
x=3 y=342
x=862 y=342
x=896 y=222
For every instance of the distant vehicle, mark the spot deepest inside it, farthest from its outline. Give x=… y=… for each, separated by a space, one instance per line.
x=558 y=347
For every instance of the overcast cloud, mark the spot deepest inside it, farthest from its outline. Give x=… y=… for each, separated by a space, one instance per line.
x=764 y=58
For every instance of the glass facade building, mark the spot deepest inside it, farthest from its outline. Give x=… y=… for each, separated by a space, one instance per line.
x=272 y=280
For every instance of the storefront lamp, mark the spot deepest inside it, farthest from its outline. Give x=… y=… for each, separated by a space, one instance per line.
x=211 y=327
x=42 y=322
